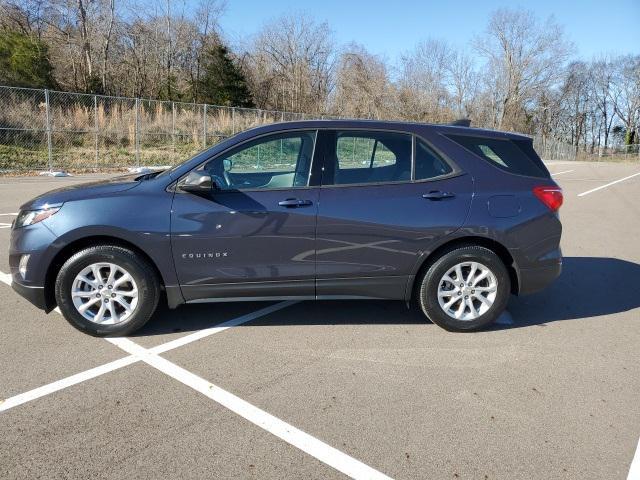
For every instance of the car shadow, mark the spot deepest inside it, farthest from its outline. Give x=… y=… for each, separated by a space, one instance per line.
x=587 y=287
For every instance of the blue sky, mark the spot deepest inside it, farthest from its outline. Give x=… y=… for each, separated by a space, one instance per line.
x=391 y=27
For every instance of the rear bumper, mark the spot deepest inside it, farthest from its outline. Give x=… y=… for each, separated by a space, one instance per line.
x=535 y=279
x=35 y=295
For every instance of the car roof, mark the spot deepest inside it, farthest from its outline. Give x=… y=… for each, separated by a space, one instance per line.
x=414 y=127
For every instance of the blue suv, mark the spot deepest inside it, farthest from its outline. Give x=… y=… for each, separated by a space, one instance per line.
x=455 y=218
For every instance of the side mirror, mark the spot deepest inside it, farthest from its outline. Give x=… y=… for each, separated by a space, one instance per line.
x=197 y=182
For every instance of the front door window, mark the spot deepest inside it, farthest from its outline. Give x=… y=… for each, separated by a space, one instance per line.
x=277 y=161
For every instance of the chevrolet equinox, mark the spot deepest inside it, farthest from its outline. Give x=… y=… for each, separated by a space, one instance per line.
x=454 y=218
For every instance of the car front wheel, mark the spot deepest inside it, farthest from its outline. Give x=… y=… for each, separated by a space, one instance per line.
x=465 y=289
x=107 y=291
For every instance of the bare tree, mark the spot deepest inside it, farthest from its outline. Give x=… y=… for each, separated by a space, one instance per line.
x=105 y=44
x=605 y=97
x=463 y=81
x=423 y=93
x=292 y=64
x=626 y=100
x=574 y=103
x=521 y=80
x=523 y=56
x=363 y=88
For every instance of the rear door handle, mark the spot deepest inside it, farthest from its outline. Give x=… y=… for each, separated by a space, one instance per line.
x=438 y=195
x=294 y=203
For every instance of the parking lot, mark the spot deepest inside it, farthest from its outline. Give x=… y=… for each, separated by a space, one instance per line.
x=357 y=388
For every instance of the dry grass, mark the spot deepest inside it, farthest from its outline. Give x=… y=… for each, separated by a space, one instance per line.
x=166 y=132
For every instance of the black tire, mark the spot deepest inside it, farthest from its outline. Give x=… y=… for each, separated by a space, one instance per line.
x=428 y=288
x=143 y=274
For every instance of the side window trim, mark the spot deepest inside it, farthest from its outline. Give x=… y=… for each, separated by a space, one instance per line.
x=414 y=141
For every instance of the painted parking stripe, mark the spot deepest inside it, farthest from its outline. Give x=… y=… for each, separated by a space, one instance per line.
x=234 y=322
x=5 y=224
x=607 y=185
x=65 y=382
x=560 y=173
x=290 y=434
x=53 y=387
x=634 y=470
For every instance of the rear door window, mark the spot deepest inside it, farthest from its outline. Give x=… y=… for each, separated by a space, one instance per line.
x=360 y=157
x=514 y=156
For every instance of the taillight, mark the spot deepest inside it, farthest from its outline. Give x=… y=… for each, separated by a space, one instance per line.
x=551 y=196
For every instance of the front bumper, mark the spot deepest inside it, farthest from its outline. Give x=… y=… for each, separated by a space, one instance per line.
x=36 y=241
x=35 y=295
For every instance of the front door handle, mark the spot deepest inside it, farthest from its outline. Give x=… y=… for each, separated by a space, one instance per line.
x=294 y=203
x=438 y=195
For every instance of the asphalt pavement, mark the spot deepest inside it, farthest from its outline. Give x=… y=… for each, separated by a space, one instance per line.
x=322 y=390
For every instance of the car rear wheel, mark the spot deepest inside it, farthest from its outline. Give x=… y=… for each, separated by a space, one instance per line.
x=465 y=289
x=107 y=291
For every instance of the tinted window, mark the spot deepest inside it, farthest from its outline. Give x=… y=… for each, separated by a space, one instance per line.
x=506 y=154
x=367 y=157
x=428 y=163
x=278 y=161
x=363 y=152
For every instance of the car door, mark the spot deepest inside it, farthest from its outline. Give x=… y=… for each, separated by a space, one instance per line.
x=254 y=236
x=378 y=213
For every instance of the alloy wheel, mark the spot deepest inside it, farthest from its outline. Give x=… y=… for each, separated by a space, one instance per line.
x=467 y=291
x=104 y=293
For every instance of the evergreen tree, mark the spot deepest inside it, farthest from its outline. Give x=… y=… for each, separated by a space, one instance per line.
x=24 y=61
x=223 y=83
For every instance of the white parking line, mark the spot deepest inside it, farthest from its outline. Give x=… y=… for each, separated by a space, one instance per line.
x=290 y=434
x=234 y=322
x=39 y=392
x=560 y=173
x=4 y=224
x=607 y=185
x=634 y=470
x=65 y=382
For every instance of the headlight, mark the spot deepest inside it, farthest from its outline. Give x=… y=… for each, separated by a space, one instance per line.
x=29 y=217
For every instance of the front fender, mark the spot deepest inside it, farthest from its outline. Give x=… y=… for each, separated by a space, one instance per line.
x=140 y=219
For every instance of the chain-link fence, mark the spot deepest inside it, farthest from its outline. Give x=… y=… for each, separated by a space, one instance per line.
x=47 y=130
x=552 y=149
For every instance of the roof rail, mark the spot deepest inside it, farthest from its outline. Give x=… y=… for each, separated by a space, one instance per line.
x=461 y=122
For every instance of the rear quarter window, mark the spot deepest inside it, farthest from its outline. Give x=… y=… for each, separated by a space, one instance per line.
x=514 y=156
